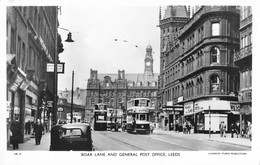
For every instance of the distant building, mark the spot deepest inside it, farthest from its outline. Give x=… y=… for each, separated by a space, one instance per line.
x=115 y=89
x=79 y=104
x=197 y=70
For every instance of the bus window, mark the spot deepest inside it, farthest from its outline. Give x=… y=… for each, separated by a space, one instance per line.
x=148 y=103
x=142 y=117
x=136 y=103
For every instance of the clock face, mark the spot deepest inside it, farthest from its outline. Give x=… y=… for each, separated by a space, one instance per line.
x=148 y=63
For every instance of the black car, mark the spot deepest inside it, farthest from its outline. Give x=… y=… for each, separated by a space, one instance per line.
x=75 y=137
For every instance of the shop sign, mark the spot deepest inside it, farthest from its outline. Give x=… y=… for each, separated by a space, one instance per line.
x=60 y=67
x=180 y=99
x=49 y=104
x=60 y=109
x=213 y=104
x=169 y=103
x=17 y=80
x=25 y=84
x=234 y=106
x=188 y=108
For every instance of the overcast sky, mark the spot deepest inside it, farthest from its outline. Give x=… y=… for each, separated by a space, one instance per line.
x=94 y=29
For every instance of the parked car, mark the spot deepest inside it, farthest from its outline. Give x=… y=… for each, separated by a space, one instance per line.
x=75 y=137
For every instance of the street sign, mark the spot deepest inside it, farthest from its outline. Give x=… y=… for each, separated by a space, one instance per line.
x=60 y=109
x=49 y=103
x=60 y=67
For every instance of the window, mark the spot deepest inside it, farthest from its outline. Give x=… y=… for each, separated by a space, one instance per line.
x=214 y=55
x=215 y=29
x=214 y=83
x=245 y=42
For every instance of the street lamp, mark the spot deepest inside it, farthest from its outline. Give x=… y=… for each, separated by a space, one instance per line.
x=69 y=39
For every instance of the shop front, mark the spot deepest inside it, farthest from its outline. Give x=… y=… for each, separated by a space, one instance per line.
x=206 y=115
x=173 y=116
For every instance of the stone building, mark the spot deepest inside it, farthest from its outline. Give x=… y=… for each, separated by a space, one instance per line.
x=79 y=103
x=198 y=78
x=30 y=45
x=116 y=89
x=243 y=59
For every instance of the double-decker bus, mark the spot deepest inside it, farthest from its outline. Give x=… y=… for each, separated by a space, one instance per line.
x=138 y=115
x=100 y=117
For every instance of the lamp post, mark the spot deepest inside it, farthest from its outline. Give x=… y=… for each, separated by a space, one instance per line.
x=69 y=39
x=209 y=121
x=54 y=117
x=71 y=111
x=116 y=128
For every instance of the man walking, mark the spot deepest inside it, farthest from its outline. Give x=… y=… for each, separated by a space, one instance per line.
x=15 y=133
x=222 y=129
x=38 y=129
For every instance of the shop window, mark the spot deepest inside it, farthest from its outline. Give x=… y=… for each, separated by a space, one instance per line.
x=215 y=53
x=214 y=83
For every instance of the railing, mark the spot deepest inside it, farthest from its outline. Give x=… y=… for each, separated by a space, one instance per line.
x=247 y=51
x=246 y=21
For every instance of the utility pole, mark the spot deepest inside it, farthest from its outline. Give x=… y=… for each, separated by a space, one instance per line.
x=71 y=111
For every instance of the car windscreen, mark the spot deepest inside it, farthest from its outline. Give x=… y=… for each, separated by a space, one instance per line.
x=71 y=132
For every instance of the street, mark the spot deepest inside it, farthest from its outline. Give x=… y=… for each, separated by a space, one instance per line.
x=160 y=140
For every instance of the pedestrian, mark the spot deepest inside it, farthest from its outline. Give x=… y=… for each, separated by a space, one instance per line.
x=38 y=130
x=188 y=127
x=233 y=130
x=184 y=127
x=243 y=128
x=222 y=129
x=249 y=130
x=237 y=128
x=151 y=127
x=15 y=133
x=177 y=127
x=28 y=127
x=134 y=123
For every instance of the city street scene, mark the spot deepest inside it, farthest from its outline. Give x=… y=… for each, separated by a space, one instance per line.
x=129 y=78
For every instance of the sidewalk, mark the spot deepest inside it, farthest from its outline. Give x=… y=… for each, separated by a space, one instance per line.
x=213 y=137
x=30 y=145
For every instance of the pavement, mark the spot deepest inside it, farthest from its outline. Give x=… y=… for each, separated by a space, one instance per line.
x=241 y=141
x=29 y=145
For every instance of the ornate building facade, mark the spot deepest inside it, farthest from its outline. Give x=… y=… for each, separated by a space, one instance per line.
x=198 y=78
x=116 y=89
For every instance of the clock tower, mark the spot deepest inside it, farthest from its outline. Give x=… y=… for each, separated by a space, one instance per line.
x=148 y=63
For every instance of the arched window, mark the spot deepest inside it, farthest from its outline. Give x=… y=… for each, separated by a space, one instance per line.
x=214 y=83
x=214 y=54
x=139 y=83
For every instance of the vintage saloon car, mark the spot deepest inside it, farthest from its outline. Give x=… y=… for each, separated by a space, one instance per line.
x=75 y=137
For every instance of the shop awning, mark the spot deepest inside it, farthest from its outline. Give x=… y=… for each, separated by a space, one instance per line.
x=235 y=112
